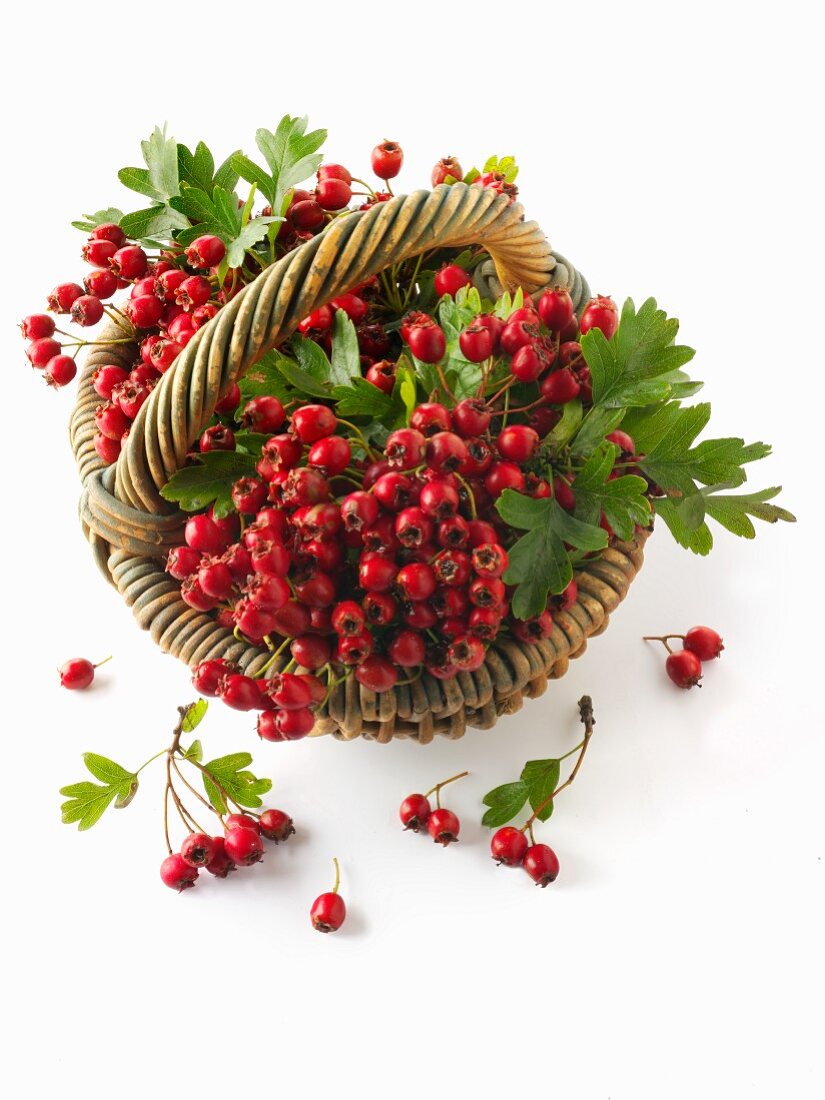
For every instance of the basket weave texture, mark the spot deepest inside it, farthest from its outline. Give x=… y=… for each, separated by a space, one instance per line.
x=131 y=527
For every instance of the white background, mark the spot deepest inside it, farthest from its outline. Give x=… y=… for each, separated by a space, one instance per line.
x=680 y=952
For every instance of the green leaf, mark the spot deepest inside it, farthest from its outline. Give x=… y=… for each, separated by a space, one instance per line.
x=194 y=752
x=345 y=360
x=264 y=377
x=100 y=217
x=571 y=418
x=247 y=169
x=194 y=716
x=87 y=802
x=161 y=156
x=209 y=481
x=504 y=803
x=138 y=179
x=230 y=773
x=540 y=563
x=698 y=539
x=291 y=155
x=541 y=778
x=361 y=398
x=152 y=222
x=732 y=510
x=198 y=168
x=226 y=176
x=303 y=381
x=252 y=232
x=622 y=499
x=405 y=392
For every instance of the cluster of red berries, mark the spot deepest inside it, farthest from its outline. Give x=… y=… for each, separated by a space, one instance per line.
x=684 y=666
x=510 y=847
x=240 y=846
x=417 y=814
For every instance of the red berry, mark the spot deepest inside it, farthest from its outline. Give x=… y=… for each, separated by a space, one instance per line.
x=376 y=573
x=352 y=649
x=416 y=581
x=704 y=642
x=207 y=676
x=243 y=846
x=198 y=850
x=77 y=674
x=205 y=252
x=477 y=343
x=535 y=630
x=176 y=873
x=291 y=725
x=37 y=326
x=556 y=308
x=386 y=160
x=443 y=826
x=98 y=252
x=230 y=400
x=359 y=510
x=429 y=418
x=517 y=443
x=415 y=812
x=471 y=417
x=242 y=821
x=413 y=527
x=86 y=310
x=560 y=386
x=102 y=284
x=248 y=494
x=407 y=649
x=348 y=618
x=276 y=825
x=439 y=499
x=111 y=421
x=108 y=231
x=217 y=438
x=328 y=912
x=447 y=166
x=129 y=262
x=194 y=291
x=63 y=297
x=60 y=371
x=489 y=560
x=382 y=375
x=541 y=864
x=601 y=313
x=623 y=441
x=528 y=363
x=334 y=172
x=484 y=622
x=311 y=650
x=405 y=448
x=144 y=311
x=203 y=533
x=306 y=214
x=108 y=450
x=684 y=668
x=427 y=341
x=182 y=562
x=504 y=475
x=312 y=422
x=517 y=334
x=446 y=452
x=466 y=652
x=333 y=194
x=263 y=414
x=215 y=578
x=450 y=279
x=508 y=846
x=240 y=692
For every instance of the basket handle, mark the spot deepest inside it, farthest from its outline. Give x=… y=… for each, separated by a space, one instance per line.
x=269 y=310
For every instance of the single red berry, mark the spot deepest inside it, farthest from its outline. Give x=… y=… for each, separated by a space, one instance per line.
x=286 y=725
x=427 y=341
x=242 y=821
x=380 y=608
x=108 y=231
x=107 y=450
x=248 y=494
x=220 y=864
x=63 y=297
x=623 y=441
x=446 y=167
x=413 y=527
x=415 y=812
x=446 y=452
x=60 y=371
x=416 y=581
x=541 y=864
x=311 y=650
x=684 y=668
x=466 y=651
x=198 y=850
x=307 y=214
x=102 y=284
x=312 y=422
x=534 y=630
x=601 y=313
x=215 y=578
x=328 y=912
x=443 y=826
x=504 y=475
x=86 y=310
x=386 y=160
x=490 y=560
x=182 y=562
x=205 y=252
x=377 y=674
x=517 y=443
x=704 y=642
x=276 y=825
x=359 y=510
x=518 y=334
x=208 y=675
x=376 y=573
x=37 y=326
x=382 y=375
x=98 y=252
x=230 y=400
x=334 y=172
x=129 y=262
x=353 y=649
x=240 y=692
x=176 y=873
x=194 y=291
x=217 y=438
x=348 y=618
x=144 y=311
x=477 y=343
x=332 y=454
x=77 y=673
x=203 y=532
x=471 y=417
x=243 y=846
x=560 y=386
x=450 y=279
x=528 y=363
x=556 y=308
x=439 y=499
x=333 y=194
x=407 y=649
x=508 y=846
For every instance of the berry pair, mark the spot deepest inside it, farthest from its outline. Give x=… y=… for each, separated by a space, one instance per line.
x=417 y=814
x=684 y=666
x=240 y=846
x=509 y=846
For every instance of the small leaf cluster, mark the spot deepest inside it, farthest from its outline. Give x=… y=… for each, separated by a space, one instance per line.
x=538 y=781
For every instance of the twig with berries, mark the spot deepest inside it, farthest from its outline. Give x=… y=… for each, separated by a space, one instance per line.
x=231 y=793
x=684 y=666
x=539 y=786
x=417 y=814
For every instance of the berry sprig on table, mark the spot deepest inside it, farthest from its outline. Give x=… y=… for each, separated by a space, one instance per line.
x=230 y=792
x=420 y=470
x=539 y=785
x=684 y=666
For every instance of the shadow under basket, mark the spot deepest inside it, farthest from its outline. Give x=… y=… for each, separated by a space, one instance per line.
x=131 y=527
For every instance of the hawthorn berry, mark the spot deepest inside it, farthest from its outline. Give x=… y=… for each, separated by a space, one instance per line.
x=386 y=160
x=276 y=825
x=78 y=673
x=517 y=443
x=198 y=850
x=477 y=343
x=415 y=812
x=63 y=297
x=508 y=846
x=220 y=864
x=41 y=351
x=443 y=826
x=704 y=642
x=449 y=279
x=684 y=668
x=176 y=873
x=60 y=371
x=556 y=308
x=446 y=167
x=205 y=252
x=312 y=422
x=541 y=864
x=333 y=194
x=242 y=821
x=207 y=676
x=37 y=326
x=129 y=262
x=243 y=846
x=601 y=313
x=427 y=341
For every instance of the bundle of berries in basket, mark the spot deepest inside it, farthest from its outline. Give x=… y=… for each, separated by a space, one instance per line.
x=370 y=463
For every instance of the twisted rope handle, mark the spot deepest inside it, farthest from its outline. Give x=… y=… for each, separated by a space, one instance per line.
x=268 y=310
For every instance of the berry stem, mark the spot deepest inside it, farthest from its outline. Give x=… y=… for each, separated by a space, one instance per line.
x=411 y=287
x=436 y=790
x=470 y=498
x=103 y=662
x=273 y=658
x=663 y=638
x=337 y=884
x=586 y=716
x=195 y=792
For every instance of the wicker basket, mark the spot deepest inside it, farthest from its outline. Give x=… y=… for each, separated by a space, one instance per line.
x=131 y=527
